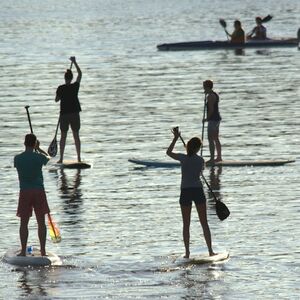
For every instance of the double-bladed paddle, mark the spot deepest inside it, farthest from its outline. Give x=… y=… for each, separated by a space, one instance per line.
x=53 y=229
x=222 y=210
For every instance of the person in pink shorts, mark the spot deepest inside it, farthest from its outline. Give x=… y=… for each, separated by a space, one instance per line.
x=32 y=194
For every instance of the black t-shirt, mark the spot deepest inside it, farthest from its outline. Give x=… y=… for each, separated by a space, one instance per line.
x=68 y=95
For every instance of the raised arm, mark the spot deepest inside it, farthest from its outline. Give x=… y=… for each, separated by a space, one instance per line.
x=172 y=145
x=73 y=60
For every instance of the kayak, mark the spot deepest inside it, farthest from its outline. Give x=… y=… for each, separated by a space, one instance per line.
x=214 y=45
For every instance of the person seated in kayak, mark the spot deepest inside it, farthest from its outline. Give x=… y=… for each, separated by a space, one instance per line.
x=259 y=32
x=238 y=35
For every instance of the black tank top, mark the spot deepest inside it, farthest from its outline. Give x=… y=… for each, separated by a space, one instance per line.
x=216 y=114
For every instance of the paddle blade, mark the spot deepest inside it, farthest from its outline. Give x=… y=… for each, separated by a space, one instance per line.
x=52 y=149
x=223 y=23
x=53 y=230
x=267 y=18
x=222 y=210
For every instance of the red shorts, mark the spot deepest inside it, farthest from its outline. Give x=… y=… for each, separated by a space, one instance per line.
x=32 y=199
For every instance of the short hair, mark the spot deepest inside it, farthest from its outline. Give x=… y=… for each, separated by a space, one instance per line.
x=68 y=75
x=193 y=146
x=30 y=140
x=237 y=23
x=208 y=83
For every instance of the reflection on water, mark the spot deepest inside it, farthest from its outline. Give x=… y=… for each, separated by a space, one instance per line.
x=70 y=193
x=31 y=281
x=215 y=183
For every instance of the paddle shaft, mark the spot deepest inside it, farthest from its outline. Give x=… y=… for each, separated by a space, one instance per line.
x=202 y=135
x=28 y=117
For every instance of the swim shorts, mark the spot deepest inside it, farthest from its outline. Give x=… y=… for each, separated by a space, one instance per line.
x=72 y=119
x=188 y=195
x=32 y=199
x=213 y=126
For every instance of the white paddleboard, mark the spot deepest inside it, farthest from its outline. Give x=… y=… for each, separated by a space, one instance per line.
x=34 y=259
x=204 y=258
x=73 y=164
x=224 y=163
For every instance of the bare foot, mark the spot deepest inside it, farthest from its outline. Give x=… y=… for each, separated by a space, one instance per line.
x=211 y=161
x=21 y=254
x=187 y=255
x=218 y=159
x=212 y=253
x=59 y=161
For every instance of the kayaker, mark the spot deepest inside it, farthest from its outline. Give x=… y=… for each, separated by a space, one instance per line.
x=213 y=119
x=191 y=188
x=32 y=194
x=70 y=108
x=238 y=35
x=259 y=32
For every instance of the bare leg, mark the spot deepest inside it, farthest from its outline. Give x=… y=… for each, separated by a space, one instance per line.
x=201 y=209
x=62 y=144
x=77 y=144
x=211 y=143
x=186 y=218
x=42 y=232
x=219 y=149
x=23 y=235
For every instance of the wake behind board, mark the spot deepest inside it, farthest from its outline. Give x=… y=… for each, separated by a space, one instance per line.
x=223 y=163
x=35 y=259
x=204 y=259
x=72 y=164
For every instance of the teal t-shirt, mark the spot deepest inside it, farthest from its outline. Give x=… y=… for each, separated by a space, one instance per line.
x=29 y=166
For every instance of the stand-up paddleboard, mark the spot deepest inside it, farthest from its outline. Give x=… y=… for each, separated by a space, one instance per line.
x=73 y=164
x=34 y=259
x=204 y=259
x=223 y=163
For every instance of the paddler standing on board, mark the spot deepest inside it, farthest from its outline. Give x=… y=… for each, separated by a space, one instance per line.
x=191 y=188
x=70 y=108
x=32 y=194
x=213 y=119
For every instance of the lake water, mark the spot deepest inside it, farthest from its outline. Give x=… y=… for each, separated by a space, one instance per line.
x=121 y=224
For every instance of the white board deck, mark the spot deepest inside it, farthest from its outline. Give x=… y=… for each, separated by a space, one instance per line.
x=34 y=259
x=224 y=163
x=204 y=258
x=73 y=164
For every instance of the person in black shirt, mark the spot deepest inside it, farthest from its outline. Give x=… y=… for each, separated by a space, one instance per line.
x=70 y=108
x=213 y=118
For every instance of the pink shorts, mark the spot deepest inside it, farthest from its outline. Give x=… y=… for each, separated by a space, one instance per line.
x=32 y=199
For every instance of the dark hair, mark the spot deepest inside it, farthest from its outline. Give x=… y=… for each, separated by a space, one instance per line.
x=237 y=23
x=68 y=75
x=208 y=83
x=193 y=146
x=30 y=140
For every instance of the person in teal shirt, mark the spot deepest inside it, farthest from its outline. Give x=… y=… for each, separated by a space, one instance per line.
x=32 y=195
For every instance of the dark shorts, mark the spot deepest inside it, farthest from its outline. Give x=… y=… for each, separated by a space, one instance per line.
x=72 y=120
x=32 y=199
x=213 y=126
x=188 y=195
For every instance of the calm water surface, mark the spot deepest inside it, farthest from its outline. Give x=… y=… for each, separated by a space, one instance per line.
x=121 y=224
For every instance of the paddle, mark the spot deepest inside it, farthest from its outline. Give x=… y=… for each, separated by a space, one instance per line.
x=202 y=135
x=53 y=229
x=52 y=149
x=224 y=25
x=267 y=19
x=222 y=210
